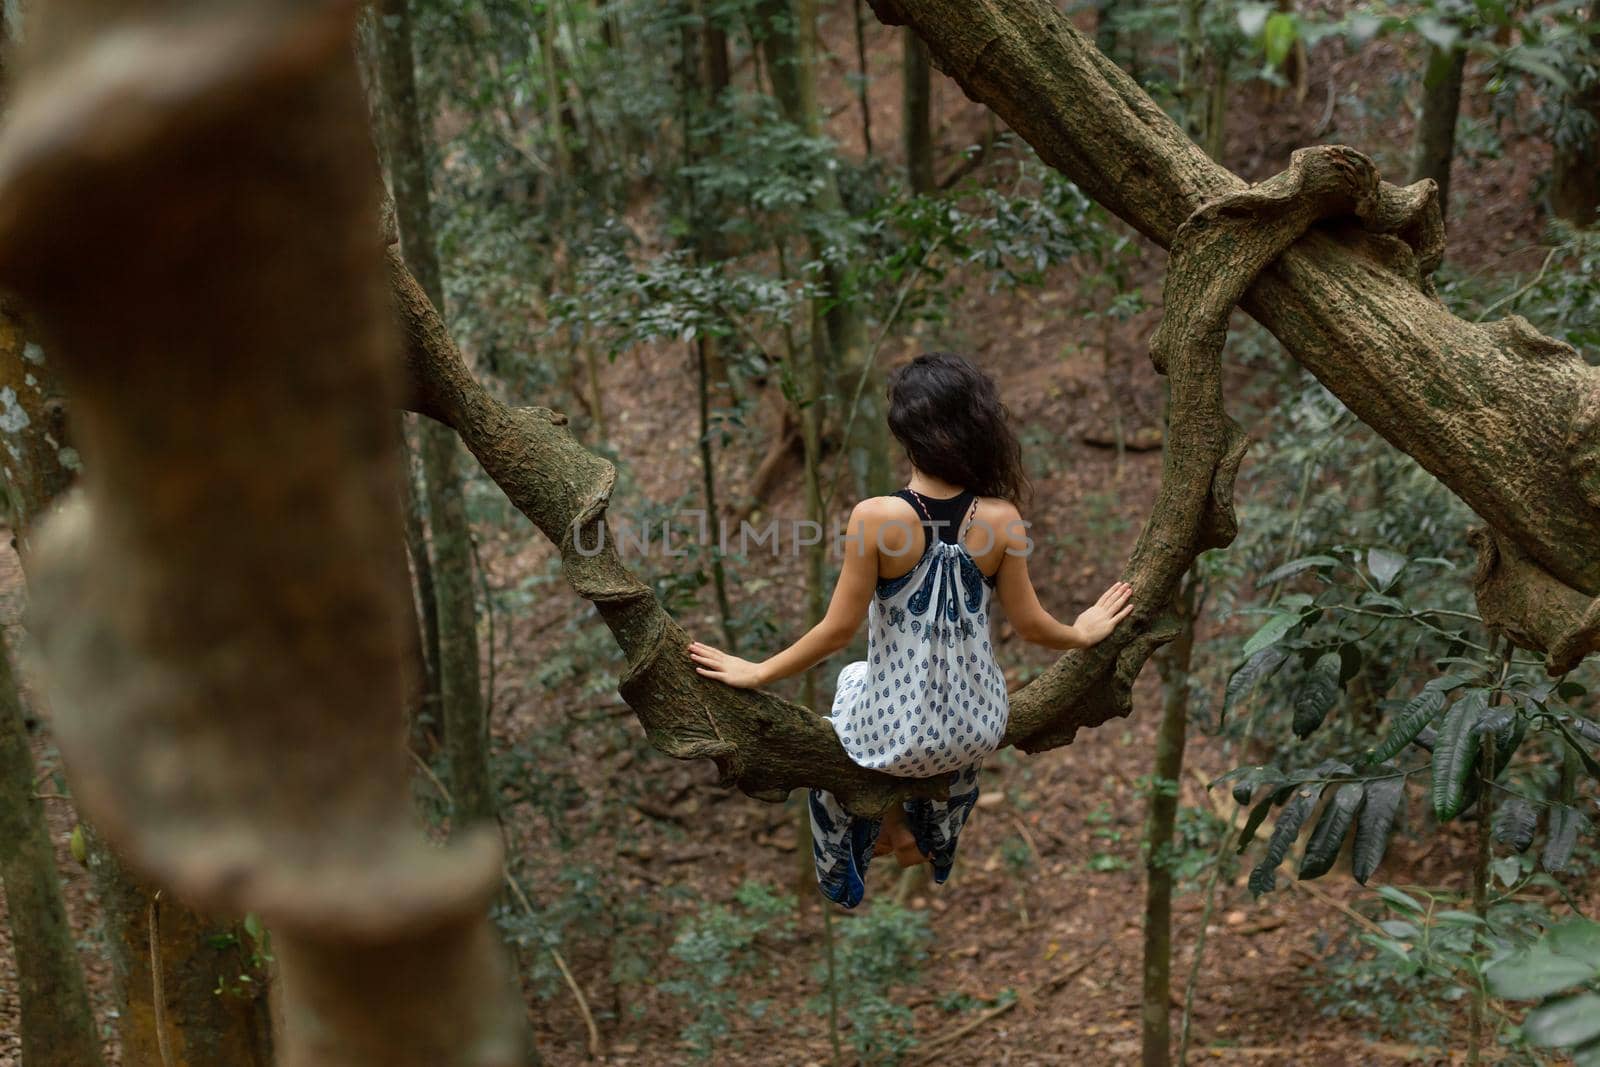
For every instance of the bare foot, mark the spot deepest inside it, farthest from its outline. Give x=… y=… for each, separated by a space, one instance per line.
x=896 y=839
x=909 y=855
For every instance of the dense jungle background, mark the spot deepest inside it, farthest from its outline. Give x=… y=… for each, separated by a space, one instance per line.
x=1347 y=822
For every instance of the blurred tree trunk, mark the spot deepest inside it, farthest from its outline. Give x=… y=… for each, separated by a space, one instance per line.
x=219 y=612
x=1296 y=65
x=1433 y=145
x=466 y=728
x=718 y=69
x=1575 y=183
x=917 y=119
x=1575 y=170
x=56 y=1024
x=1216 y=139
x=1173 y=663
x=1192 y=50
x=786 y=46
x=201 y=1027
x=1106 y=32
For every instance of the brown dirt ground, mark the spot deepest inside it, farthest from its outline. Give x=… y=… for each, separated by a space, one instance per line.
x=997 y=927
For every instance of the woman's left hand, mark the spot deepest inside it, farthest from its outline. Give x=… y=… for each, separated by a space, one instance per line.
x=725 y=668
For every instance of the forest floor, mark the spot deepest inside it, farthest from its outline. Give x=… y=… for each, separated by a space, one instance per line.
x=1046 y=899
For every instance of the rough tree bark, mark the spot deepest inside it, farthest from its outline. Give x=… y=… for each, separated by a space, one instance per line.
x=1354 y=307
x=464 y=722
x=57 y=1026
x=187 y=205
x=1331 y=260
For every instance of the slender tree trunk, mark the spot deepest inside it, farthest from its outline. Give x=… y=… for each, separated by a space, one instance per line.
x=57 y=1026
x=719 y=71
x=1433 y=145
x=555 y=100
x=1575 y=183
x=708 y=482
x=816 y=595
x=1216 y=142
x=710 y=88
x=466 y=727
x=1173 y=663
x=701 y=77
x=838 y=334
x=207 y=1004
x=465 y=723
x=429 y=717
x=1191 y=63
x=917 y=121
x=1106 y=33
x=785 y=46
x=1296 y=64
x=863 y=100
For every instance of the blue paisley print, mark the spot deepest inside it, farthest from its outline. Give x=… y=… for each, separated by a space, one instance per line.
x=929 y=701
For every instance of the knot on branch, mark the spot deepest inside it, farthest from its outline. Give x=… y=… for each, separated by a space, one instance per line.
x=889 y=12
x=1216 y=255
x=1412 y=214
x=1530 y=606
x=1523 y=338
x=1583 y=439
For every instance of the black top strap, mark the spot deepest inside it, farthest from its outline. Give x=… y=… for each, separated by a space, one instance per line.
x=944 y=518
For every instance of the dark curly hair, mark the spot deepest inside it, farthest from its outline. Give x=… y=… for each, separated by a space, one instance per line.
x=948 y=415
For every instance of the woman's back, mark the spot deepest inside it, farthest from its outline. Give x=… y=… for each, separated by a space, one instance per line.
x=929 y=698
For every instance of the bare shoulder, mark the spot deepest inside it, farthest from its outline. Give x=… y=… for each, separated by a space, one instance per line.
x=887 y=522
x=1001 y=517
x=881 y=509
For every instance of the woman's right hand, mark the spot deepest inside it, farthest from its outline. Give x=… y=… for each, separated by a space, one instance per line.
x=1097 y=622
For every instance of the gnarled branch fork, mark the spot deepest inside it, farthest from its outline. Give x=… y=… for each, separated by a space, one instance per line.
x=1507 y=418
x=768 y=746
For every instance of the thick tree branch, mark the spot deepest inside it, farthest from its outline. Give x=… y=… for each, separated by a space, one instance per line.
x=1333 y=261
x=765 y=745
x=1504 y=417
x=768 y=746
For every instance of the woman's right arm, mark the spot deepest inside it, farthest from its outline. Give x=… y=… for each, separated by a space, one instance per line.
x=1037 y=626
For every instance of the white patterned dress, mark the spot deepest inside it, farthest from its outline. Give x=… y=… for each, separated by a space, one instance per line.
x=929 y=701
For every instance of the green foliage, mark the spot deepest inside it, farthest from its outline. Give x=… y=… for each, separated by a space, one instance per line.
x=1108 y=835
x=879 y=951
x=719 y=946
x=1561 y=298
x=1561 y=971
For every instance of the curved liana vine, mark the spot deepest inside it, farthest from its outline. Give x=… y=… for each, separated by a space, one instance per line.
x=768 y=746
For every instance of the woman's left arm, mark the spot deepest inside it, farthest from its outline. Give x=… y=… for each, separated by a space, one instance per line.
x=858 y=578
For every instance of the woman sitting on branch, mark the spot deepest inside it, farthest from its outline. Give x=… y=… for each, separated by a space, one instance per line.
x=920 y=566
